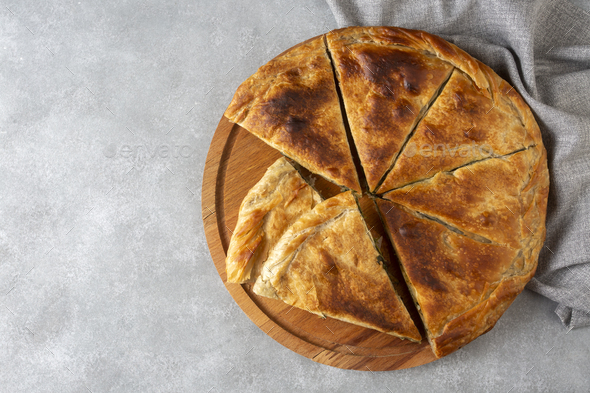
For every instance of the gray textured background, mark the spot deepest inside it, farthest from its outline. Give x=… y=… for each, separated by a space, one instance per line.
x=106 y=282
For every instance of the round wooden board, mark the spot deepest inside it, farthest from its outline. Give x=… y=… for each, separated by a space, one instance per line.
x=235 y=162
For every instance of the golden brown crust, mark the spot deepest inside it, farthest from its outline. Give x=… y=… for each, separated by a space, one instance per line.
x=291 y=103
x=326 y=263
x=482 y=318
x=485 y=198
x=461 y=286
x=433 y=44
x=269 y=208
x=499 y=204
x=501 y=199
x=385 y=89
x=461 y=127
x=485 y=81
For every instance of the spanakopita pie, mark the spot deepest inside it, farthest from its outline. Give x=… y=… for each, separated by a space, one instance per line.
x=449 y=151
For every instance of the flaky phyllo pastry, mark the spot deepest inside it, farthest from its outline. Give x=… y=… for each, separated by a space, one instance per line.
x=269 y=208
x=327 y=263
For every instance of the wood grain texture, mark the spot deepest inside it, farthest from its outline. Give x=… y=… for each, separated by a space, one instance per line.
x=235 y=162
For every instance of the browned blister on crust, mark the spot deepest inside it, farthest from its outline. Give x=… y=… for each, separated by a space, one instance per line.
x=460 y=285
x=291 y=103
x=386 y=88
x=425 y=42
x=269 y=208
x=327 y=263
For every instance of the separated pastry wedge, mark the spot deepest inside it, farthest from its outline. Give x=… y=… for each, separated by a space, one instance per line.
x=269 y=208
x=327 y=263
x=461 y=286
x=387 y=84
x=291 y=103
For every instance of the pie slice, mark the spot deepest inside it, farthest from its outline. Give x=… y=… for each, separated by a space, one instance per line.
x=463 y=125
x=269 y=208
x=327 y=263
x=291 y=103
x=500 y=200
x=460 y=285
x=386 y=88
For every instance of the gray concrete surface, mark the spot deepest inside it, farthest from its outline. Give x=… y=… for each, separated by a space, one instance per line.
x=106 y=282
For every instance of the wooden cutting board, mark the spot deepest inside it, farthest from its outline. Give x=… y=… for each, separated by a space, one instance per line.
x=235 y=163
